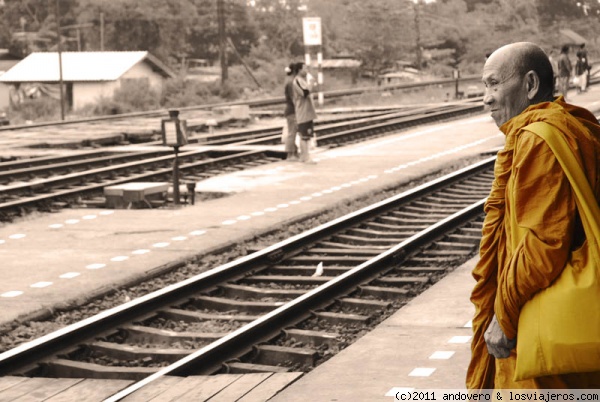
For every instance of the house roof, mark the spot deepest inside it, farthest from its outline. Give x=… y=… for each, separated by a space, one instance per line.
x=337 y=63
x=80 y=66
x=573 y=38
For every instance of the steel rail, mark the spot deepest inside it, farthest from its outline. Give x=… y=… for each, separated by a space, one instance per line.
x=26 y=354
x=391 y=121
x=209 y=358
x=255 y=103
x=77 y=178
x=231 y=138
x=14 y=174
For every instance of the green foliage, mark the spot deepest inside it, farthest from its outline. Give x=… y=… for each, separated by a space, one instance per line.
x=267 y=34
x=138 y=94
x=179 y=92
x=43 y=108
x=105 y=106
x=203 y=36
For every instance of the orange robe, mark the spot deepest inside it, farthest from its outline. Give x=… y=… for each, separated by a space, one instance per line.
x=530 y=190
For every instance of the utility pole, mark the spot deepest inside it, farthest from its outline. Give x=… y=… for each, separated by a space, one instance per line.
x=417 y=33
x=222 y=41
x=101 y=32
x=60 y=72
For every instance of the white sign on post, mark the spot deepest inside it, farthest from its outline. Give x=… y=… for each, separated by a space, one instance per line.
x=312 y=31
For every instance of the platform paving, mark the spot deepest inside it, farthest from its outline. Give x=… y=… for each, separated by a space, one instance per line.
x=49 y=261
x=52 y=260
x=424 y=346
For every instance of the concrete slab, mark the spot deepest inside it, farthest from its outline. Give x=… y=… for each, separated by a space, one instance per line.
x=48 y=260
x=425 y=345
x=77 y=253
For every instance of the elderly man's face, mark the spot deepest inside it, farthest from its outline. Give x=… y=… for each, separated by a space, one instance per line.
x=505 y=90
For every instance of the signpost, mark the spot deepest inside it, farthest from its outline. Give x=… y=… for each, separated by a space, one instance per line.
x=174 y=134
x=311 y=28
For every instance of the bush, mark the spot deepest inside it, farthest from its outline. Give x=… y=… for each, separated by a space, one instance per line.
x=138 y=94
x=43 y=108
x=105 y=106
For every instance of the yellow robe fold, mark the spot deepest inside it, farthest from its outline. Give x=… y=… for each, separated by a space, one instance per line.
x=530 y=190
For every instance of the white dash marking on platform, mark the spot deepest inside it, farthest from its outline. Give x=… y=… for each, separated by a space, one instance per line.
x=69 y=275
x=56 y=226
x=140 y=251
x=421 y=372
x=442 y=355
x=40 y=284
x=119 y=258
x=71 y=221
x=12 y=293
x=197 y=232
x=89 y=217
x=95 y=266
x=161 y=244
x=460 y=339
x=17 y=236
x=398 y=390
x=179 y=238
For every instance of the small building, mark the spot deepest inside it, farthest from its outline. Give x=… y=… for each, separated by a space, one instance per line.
x=7 y=61
x=571 y=38
x=343 y=70
x=87 y=76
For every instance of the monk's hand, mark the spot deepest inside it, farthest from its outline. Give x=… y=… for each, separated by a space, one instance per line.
x=498 y=344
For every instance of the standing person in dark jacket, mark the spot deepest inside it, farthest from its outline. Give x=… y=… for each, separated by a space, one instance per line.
x=564 y=71
x=290 y=113
x=582 y=68
x=305 y=112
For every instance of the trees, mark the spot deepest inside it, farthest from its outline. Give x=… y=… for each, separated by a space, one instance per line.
x=30 y=25
x=159 y=26
x=203 y=36
x=379 y=32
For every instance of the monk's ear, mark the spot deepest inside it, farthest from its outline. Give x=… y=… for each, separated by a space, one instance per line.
x=532 y=84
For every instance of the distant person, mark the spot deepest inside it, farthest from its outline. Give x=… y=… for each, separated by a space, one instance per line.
x=532 y=225
x=582 y=68
x=305 y=112
x=290 y=113
x=554 y=62
x=565 y=69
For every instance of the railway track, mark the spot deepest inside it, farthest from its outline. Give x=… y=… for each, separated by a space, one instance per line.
x=45 y=185
x=275 y=309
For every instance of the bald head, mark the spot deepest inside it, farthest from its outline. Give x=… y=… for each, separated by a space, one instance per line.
x=522 y=57
x=516 y=76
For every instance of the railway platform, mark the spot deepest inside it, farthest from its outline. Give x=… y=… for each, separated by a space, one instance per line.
x=54 y=260
x=424 y=346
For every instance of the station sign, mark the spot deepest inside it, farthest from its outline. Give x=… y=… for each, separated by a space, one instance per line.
x=311 y=28
x=174 y=131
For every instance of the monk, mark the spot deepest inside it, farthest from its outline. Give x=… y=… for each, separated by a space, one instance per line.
x=531 y=191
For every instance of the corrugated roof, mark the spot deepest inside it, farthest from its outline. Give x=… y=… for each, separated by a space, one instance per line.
x=337 y=63
x=79 y=66
x=573 y=38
